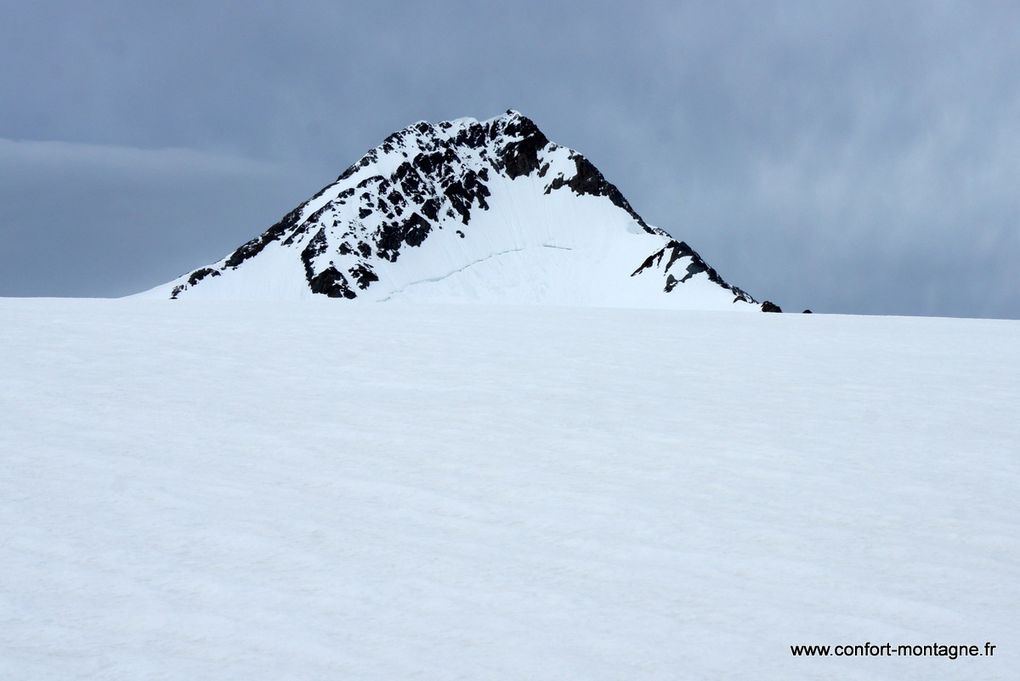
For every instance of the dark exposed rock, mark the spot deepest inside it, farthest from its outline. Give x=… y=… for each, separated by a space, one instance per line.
x=436 y=162
x=464 y=192
x=589 y=180
x=416 y=229
x=807 y=312
x=330 y=282
x=695 y=267
x=679 y=249
x=316 y=247
x=769 y=306
x=521 y=157
x=390 y=235
x=255 y=246
x=200 y=274
x=195 y=277
x=651 y=261
x=397 y=199
x=370 y=180
x=408 y=179
x=366 y=160
x=363 y=274
x=431 y=209
x=472 y=137
x=676 y=250
x=350 y=171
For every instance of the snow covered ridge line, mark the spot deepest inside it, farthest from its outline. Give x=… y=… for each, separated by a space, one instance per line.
x=464 y=210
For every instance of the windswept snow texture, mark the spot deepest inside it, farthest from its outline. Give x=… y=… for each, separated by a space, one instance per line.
x=464 y=210
x=321 y=491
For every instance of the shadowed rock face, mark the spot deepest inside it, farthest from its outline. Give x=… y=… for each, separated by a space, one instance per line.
x=423 y=178
x=588 y=180
x=677 y=250
x=193 y=279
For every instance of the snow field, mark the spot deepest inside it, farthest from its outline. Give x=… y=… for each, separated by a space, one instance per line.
x=207 y=490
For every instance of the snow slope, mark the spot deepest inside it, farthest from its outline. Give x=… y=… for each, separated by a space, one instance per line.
x=322 y=491
x=463 y=210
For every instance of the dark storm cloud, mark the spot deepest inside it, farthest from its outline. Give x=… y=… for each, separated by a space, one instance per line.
x=97 y=220
x=850 y=157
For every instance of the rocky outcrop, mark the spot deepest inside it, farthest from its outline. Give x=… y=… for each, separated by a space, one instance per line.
x=429 y=178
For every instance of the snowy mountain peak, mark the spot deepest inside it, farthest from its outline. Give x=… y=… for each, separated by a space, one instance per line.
x=467 y=210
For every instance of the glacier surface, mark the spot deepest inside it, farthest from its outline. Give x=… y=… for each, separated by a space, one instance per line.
x=321 y=491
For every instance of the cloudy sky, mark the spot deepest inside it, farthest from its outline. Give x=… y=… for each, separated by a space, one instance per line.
x=848 y=157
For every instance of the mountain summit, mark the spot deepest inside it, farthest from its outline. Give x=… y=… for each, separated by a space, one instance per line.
x=465 y=210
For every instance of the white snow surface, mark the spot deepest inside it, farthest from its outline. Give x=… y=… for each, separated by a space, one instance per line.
x=320 y=491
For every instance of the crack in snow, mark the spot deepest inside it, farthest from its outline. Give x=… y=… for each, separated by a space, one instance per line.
x=450 y=274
